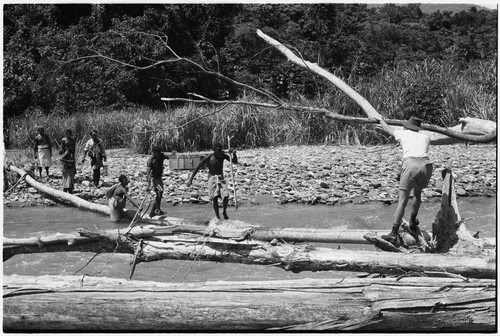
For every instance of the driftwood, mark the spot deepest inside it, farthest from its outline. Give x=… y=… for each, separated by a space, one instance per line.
x=296 y=258
x=408 y=304
x=450 y=233
x=368 y=109
x=59 y=194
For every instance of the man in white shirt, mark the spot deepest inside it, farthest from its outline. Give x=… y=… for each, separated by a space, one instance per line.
x=416 y=172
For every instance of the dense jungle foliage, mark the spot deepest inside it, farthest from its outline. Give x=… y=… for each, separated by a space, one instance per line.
x=71 y=64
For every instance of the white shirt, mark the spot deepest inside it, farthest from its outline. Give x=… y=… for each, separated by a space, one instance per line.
x=414 y=144
x=92 y=145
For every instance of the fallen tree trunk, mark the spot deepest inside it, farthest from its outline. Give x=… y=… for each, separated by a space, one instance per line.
x=368 y=109
x=70 y=303
x=295 y=258
x=77 y=201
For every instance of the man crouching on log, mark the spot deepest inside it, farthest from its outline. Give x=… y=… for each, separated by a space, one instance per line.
x=118 y=195
x=217 y=186
x=416 y=172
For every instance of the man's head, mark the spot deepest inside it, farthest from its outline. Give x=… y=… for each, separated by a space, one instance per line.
x=93 y=134
x=123 y=179
x=218 y=148
x=413 y=123
x=40 y=129
x=69 y=133
x=156 y=150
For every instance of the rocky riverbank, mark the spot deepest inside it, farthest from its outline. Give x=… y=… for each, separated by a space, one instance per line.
x=329 y=175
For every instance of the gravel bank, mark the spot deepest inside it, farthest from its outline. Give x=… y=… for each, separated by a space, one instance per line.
x=329 y=175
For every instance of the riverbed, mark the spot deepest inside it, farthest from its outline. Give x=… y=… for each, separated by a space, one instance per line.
x=479 y=214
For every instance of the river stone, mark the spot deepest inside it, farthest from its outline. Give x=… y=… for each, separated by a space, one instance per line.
x=32 y=190
x=324 y=185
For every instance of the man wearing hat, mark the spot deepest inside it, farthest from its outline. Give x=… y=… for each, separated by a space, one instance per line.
x=43 y=151
x=416 y=172
x=95 y=150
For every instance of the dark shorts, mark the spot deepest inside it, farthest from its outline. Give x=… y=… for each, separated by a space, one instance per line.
x=157 y=184
x=415 y=173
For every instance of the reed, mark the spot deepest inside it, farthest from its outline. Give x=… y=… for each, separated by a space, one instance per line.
x=465 y=92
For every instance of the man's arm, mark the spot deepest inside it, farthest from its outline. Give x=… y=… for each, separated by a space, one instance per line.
x=388 y=129
x=35 y=146
x=195 y=171
x=148 y=173
x=232 y=155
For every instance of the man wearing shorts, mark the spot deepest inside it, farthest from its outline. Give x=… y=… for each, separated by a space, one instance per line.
x=217 y=186
x=416 y=172
x=154 y=173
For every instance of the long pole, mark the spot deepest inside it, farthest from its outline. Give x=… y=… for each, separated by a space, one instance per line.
x=232 y=172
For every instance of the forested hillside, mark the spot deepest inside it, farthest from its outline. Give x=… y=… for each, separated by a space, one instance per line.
x=50 y=63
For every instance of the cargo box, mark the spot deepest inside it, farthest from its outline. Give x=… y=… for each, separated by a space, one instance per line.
x=186 y=161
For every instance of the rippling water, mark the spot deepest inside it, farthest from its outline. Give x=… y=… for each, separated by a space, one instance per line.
x=479 y=213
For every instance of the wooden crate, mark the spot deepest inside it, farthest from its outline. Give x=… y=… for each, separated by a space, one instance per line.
x=186 y=161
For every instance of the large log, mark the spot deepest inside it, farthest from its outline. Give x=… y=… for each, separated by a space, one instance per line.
x=85 y=304
x=295 y=258
x=58 y=194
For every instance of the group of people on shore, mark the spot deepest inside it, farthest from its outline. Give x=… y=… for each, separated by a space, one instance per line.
x=94 y=148
x=415 y=173
x=217 y=185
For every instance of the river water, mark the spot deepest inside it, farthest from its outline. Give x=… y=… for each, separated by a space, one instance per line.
x=479 y=215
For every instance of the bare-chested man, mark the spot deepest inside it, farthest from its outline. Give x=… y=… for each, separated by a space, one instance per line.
x=217 y=186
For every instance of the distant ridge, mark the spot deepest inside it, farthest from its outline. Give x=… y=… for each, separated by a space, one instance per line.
x=428 y=8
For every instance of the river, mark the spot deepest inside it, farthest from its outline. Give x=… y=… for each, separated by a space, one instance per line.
x=479 y=214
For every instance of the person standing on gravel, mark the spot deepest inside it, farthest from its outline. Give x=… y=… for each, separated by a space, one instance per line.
x=68 y=143
x=95 y=150
x=217 y=186
x=154 y=173
x=416 y=171
x=68 y=171
x=43 y=151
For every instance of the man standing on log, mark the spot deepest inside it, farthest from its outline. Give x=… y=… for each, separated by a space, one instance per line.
x=43 y=151
x=416 y=172
x=217 y=186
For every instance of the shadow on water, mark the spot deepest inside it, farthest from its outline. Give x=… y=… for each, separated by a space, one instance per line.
x=479 y=215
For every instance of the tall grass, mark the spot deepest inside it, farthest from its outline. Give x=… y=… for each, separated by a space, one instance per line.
x=467 y=92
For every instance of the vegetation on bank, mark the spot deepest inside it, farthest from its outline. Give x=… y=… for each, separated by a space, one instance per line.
x=440 y=66
x=438 y=93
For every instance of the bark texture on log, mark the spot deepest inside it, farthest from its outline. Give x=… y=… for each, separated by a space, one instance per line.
x=56 y=303
x=295 y=258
